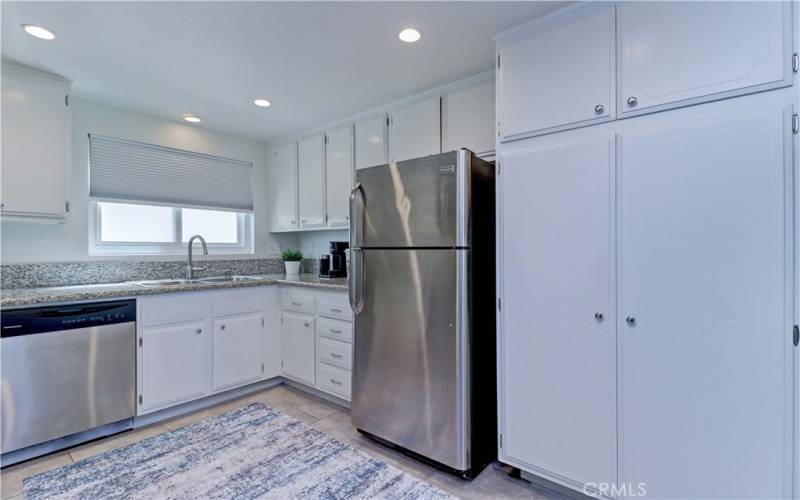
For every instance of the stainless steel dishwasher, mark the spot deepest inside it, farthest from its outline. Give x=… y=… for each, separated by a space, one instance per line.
x=65 y=370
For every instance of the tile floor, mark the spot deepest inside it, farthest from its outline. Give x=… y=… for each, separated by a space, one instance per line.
x=329 y=418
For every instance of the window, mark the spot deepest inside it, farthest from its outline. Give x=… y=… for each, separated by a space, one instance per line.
x=126 y=228
x=151 y=199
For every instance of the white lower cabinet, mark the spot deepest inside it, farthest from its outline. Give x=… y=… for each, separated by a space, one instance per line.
x=646 y=330
x=298 y=346
x=237 y=350
x=174 y=364
x=195 y=344
x=317 y=339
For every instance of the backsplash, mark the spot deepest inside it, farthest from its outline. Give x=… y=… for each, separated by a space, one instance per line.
x=94 y=272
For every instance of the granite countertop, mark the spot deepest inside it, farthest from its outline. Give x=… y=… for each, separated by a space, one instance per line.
x=46 y=295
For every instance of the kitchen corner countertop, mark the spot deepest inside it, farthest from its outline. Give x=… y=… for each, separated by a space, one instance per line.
x=12 y=297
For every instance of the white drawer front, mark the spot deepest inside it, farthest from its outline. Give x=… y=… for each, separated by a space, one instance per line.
x=169 y=309
x=334 y=380
x=335 y=329
x=334 y=352
x=335 y=307
x=229 y=302
x=297 y=302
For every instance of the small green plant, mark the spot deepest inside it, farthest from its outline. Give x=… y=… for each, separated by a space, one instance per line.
x=292 y=255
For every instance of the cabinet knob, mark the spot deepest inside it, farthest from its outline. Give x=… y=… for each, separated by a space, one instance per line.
x=598 y=316
x=198 y=331
x=308 y=324
x=631 y=320
x=599 y=109
x=222 y=327
x=292 y=221
x=632 y=101
x=346 y=217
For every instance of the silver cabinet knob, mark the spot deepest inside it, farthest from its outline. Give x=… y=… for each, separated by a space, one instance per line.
x=308 y=324
x=292 y=221
x=198 y=331
x=631 y=320
x=599 y=109
x=632 y=101
x=222 y=327
x=598 y=316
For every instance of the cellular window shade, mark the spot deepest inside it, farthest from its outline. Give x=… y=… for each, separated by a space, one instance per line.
x=134 y=172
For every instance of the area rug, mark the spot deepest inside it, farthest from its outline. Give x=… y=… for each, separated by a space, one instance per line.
x=250 y=452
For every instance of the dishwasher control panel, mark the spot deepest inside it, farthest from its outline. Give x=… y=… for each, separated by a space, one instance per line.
x=67 y=317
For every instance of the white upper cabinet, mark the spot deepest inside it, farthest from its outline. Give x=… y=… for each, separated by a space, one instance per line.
x=557 y=73
x=35 y=144
x=678 y=53
x=284 y=186
x=468 y=118
x=370 y=141
x=705 y=344
x=311 y=182
x=415 y=130
x=338 y=174
x=557 y=346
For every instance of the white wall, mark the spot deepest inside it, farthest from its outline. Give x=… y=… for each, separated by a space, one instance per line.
x=27 y=242
x=315 y=243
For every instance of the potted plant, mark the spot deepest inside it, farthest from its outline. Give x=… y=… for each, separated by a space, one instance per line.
x=292 y=259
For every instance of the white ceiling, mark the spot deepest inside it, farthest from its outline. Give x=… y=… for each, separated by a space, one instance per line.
x=317 y=62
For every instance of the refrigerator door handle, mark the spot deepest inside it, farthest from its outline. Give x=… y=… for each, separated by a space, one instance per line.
x=356 y=281
x=356 y=288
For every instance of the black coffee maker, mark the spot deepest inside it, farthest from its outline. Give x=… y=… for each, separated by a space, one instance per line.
x=334 y=264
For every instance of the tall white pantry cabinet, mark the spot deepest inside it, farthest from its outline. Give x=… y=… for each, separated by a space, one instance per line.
x=647 y=250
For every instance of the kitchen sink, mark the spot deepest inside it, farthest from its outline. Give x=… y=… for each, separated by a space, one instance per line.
x=225 y=279
x=167 y=282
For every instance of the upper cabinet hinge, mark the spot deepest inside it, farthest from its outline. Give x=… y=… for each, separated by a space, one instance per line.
x=795 y=62
x=795 y=123
x=262 y=322
x=498 y=167
x=326 y=138
x=66 y=97
x=499 y=304
x=140 y=399
x=140 y=341
x=262 y=367
x=67 y=206
x=796 y=335
x=387 y=120
x=501 y=440
x=498 y=61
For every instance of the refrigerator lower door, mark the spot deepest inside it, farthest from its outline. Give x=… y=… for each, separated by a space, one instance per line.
x=410 y=376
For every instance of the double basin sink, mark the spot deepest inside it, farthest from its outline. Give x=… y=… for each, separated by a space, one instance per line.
x=195 y=281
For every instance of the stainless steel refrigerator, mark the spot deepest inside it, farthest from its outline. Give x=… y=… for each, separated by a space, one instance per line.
x=422 y=289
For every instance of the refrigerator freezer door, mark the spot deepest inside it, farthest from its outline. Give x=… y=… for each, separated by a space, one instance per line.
x=409 y=382
x=415 y=203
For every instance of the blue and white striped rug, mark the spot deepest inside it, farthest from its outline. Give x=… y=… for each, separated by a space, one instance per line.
x=251 y=452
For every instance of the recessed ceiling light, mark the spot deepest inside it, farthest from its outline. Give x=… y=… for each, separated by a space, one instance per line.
x=409 y=35
x=192 y=118
x=38 y=32
x=262 y=103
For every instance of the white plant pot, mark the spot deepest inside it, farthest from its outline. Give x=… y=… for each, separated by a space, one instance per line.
x=292 y=267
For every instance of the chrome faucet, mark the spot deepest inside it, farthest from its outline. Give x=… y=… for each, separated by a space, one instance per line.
x=190 y=269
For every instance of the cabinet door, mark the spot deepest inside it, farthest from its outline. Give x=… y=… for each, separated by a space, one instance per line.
x=176 y=364
x=338 y=174
x=284 y=190
x=271 y=333
x=415 y=130
x=705 y=349
x=36 y=144
x=311 y=168
x=299 y=356
x=558 y=73
x=371 y=141
x=679 y=53
x=557 y=347
x=237 y=350
x=468 y=118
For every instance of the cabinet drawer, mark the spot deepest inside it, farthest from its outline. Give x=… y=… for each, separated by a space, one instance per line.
x=334 y=380
x=173 y=309
x=334 y=352
x=227 y=303
x=335 y=329
x=335 y=307
x=297 y=302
